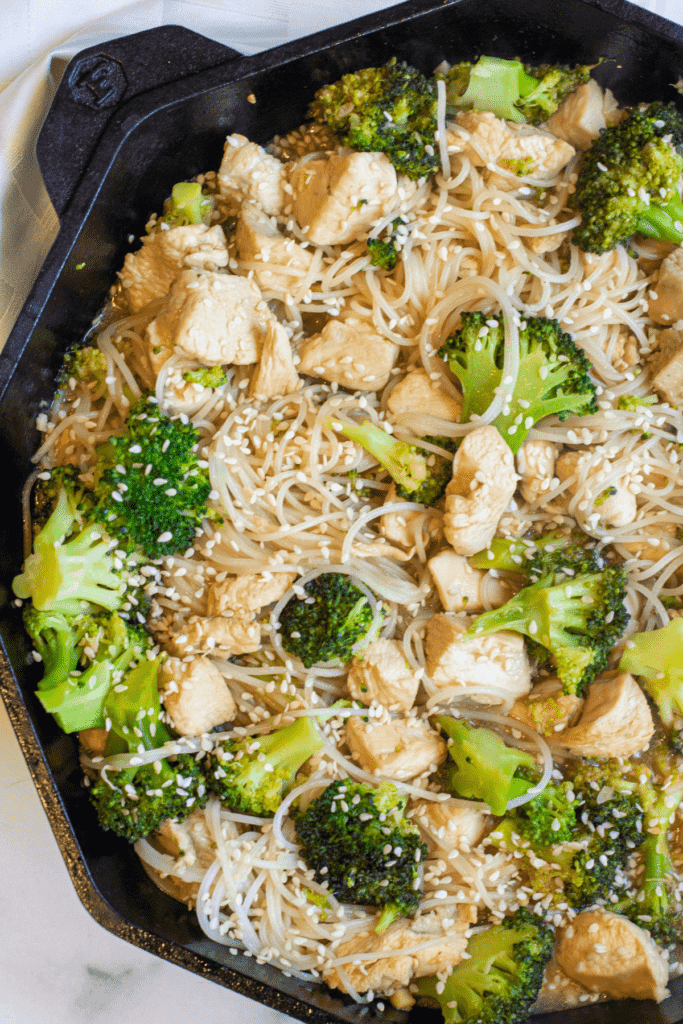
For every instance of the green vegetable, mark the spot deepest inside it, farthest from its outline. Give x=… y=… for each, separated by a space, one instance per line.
x=656 y=658
x=383 y=252
x=631 y=403
x=553 y=379
x=556 y=551
x=356 y=839
x=629 y=181
x=187 y=205
x=207 y=376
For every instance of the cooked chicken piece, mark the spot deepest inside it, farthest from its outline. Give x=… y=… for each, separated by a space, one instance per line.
x=653 y=541
x=248 y=172
x=405 y=935
x=541 y=244
x=583 y=115
x=547 y=709
x=460 y=586
x=519 y=148
x=149 y=273
x=615 y=722
x=615 y=504
x=378 y=549
x=275 y=373
x=93 y=740
x=536 y=468
x=215 y=319
x=338 y=199
x=399 y=749
x=418 y=393
x=195 y=695
x=609 y=954
x=258 y=240
x=192 y=846
x=622 y=353
x=450 y=825
x=381 y=673
x=217 y=635
x=498 y=660
x=483 y=483
x=666 y=366
x=667 y=307
x=399 y=527
x=349 y=353
x=243 y=595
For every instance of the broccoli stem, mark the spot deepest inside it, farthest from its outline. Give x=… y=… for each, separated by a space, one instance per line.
x=664 y=223
x=400 y=460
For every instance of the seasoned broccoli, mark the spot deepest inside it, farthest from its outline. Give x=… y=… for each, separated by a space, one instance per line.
x=656 y=658
x=419 y=475
x=556 y=551
x=501 y=977
x=73 y=568
x=553 y=374
x=84 y=363
x=134 y=801
x=390 y=109
x=383 y=252
x=628 y=181
x=207 y=376
x=548 y=818
x=576 y=621
x=47 y=489
x=252 y=775
x=84 y=657
x=512 y=90
x=330 y=620
x=150 y=486
x=481 y=766
x=631 y=403
x=187 y=205
x=356 y=840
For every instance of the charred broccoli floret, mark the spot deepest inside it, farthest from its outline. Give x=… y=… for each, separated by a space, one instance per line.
x=553 y=379
x=357 y=841
x=628 y=181
x=390 y=109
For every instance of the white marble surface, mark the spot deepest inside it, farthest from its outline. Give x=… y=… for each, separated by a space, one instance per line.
x=57 y=965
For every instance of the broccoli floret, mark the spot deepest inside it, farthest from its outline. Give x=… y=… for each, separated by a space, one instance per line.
x=481 y=766
x=134 y=802
x=656 y=658
x=46 y=493
x=356 y=839
x=73 y=568
x=553 y=374
x=86 y=656
x=84 y=364
x=501 y=977
x=187 y=205
x=383 y=252
x=330 y=620
x=244 y=781
x=628 y=182
x=631 y=403
x=548 y=818
x=552 y=552
x=419 y=475
x=157 y=509
x=512 y=90
x=576 y=621
x=390 y=109
x=207 y=376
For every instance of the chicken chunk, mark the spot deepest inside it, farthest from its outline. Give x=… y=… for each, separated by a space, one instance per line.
x=499 y=660
x=547 y=709
x=615 y=504
x=338 y=199
x=536 y=468
x=399 y=749
x=609 y=954
x=381 y=673
x=583 y=115
x=149 y=273
x=217 y=635
x=215 y=319
x=483 y=483
x=349 y=353
x=666 y=366
x=460 y=586
x=399 y=527
x=667 y=307
x=418 y=393
x=275 y=373
x=191 y=845
x=384 y=974
x=450 y=825
x=615 y=722
x=259 y=241
x=195 y=695
x=243 y=595
x=520 y=148
x=248 y=172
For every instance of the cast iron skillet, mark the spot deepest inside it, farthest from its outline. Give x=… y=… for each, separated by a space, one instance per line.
x=130 y=118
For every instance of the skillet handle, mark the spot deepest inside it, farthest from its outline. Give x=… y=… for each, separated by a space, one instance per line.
x=98 y=81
